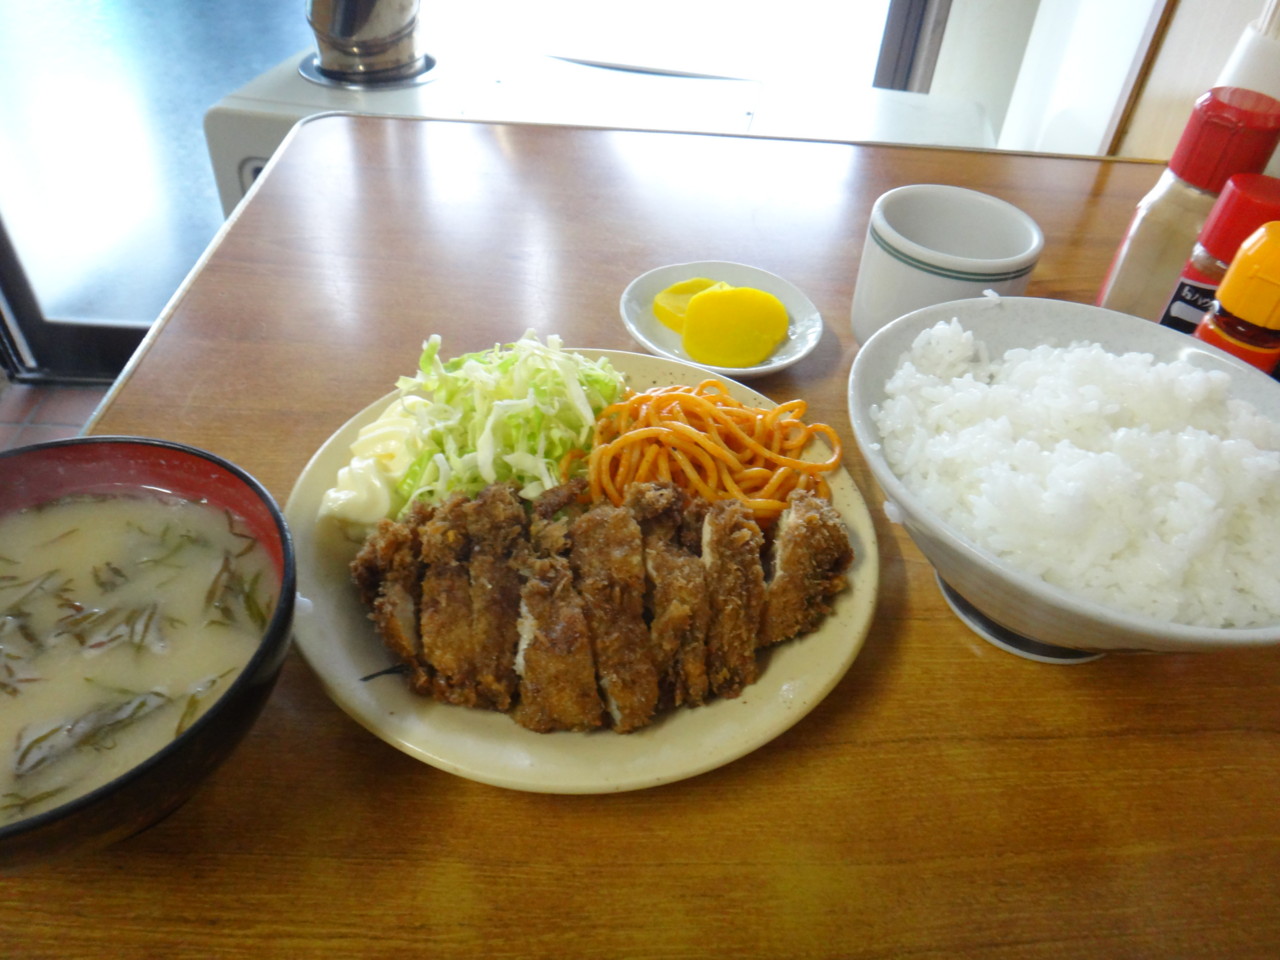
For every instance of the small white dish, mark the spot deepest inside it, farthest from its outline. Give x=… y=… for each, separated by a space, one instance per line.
x=804 y=322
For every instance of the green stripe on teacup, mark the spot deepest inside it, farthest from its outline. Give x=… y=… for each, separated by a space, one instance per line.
x=937 y=271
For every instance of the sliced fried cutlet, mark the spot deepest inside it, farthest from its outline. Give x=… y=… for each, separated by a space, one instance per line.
x=387 y=571
x=676 y=602
x=554 y=511
x=810 y=554
x=392 y=545
x=731 y=553
x=497 y=526
x=607 y=555
x=555 y=662
x=448 y=644
x=395 y=611
x=558 y=689
x=374 y=559
x=567 y=497
x=692 y=519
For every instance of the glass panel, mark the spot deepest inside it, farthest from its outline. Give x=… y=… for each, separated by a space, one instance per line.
x=105 y=181
x=104 y=178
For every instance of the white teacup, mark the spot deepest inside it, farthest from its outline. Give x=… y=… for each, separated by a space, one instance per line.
x=929 y=243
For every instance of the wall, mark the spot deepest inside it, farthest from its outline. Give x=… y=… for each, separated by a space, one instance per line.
x=1053 y=75
x=981 y=52
x=1196 y=47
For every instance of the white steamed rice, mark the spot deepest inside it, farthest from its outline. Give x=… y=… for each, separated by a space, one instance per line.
x=1141 y=485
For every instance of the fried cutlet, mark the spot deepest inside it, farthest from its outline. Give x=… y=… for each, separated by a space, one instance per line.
x=387 y=572
x=445 y=614
x=570 y=616
x=391 y=546
x=731 y=553
x=497 y=527
x=676 y=601
x=692 y=518
x=555 y=663
x=809 y=556
x=607 y=555
x=554 y=511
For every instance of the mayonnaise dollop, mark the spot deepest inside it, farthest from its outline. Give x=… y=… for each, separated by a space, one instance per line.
x=381 y=454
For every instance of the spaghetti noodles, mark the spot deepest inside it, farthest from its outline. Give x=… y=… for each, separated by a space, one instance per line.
x=704 y=440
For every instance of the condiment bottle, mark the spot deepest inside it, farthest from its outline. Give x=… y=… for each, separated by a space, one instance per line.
x=1231 y=130
x=1247 y=202
x=1245 y=318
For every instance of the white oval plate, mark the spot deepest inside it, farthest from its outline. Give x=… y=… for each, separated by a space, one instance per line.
x=636 y=306
x=336 y=638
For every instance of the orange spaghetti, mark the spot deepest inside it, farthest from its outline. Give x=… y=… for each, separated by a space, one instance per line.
x=702 y=439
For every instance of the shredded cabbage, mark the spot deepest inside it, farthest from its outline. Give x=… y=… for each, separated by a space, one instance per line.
x=511 y=413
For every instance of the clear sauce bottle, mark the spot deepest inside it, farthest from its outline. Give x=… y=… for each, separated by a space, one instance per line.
x=1231 y=130
x=1245 y=318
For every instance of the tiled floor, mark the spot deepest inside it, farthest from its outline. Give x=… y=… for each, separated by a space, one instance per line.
x=35 y=414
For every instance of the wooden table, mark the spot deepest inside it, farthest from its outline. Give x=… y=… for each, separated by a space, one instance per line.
x=947 y=799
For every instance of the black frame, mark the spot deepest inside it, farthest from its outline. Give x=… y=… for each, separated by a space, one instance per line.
x=912 y=36
x=36 y=349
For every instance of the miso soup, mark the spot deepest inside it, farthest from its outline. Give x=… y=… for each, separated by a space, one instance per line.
x=122 y=619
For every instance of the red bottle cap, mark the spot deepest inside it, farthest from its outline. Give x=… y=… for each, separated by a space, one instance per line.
x=1247 y=202
x=1231 y=130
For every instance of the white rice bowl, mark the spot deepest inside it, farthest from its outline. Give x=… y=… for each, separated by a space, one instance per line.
x=1119 y=494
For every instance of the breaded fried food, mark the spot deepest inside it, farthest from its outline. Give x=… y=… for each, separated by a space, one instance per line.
x=573 y=616
x=607 y=555
x=554 y=511
x=555 y=663
x=448 y=643
x=392 y=546
x=731 y=554
x=809 y=556
x=554 y=659
x=497 y=527
x=388 y=572
x=676 y=603
x=692 y=518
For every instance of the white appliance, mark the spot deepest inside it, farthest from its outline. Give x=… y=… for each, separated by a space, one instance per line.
x=473 y=83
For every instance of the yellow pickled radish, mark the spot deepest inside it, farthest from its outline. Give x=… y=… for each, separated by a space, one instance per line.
x=670 y=305
x=734 y=327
